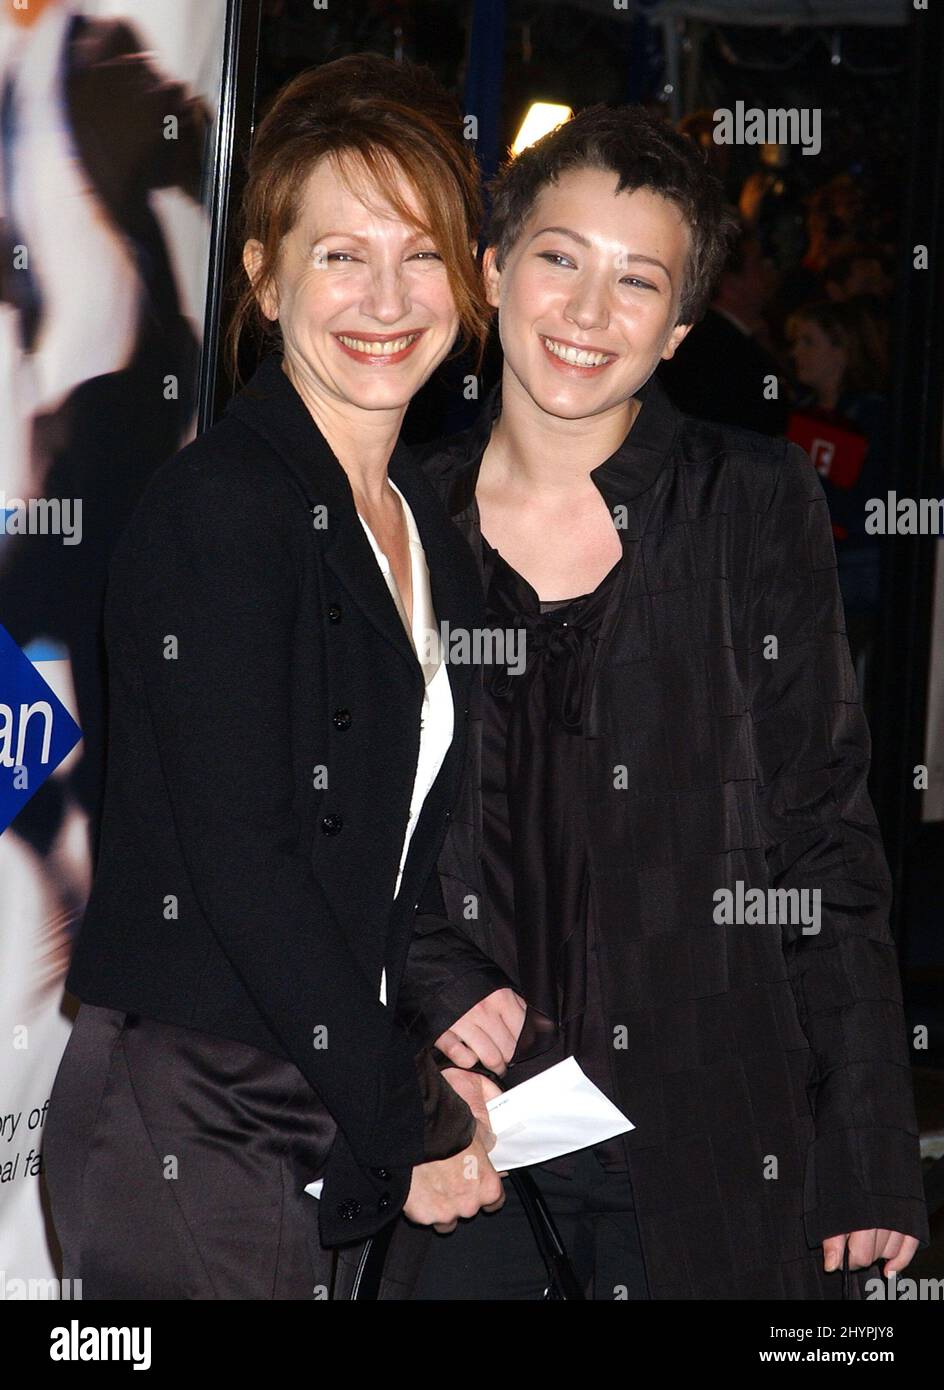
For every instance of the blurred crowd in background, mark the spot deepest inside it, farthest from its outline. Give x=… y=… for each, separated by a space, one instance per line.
x=796 y=344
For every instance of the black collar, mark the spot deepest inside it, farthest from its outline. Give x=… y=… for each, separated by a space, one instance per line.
x=270 y=405
x=629 y=471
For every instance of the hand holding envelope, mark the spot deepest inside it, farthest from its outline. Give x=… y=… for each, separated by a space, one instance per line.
x=554 y=1113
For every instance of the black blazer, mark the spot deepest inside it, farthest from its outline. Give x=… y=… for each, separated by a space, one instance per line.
x=263 y=736
x=767 y=1071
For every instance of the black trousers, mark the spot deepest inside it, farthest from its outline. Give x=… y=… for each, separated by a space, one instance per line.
x=494 y=1255
x=175 y=1164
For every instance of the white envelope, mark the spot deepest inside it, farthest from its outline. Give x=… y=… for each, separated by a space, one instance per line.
x=557 y=1112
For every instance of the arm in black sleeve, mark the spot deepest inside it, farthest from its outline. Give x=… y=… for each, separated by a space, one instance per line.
x=811 y=749
x=212 y=585
x=445 y=974
x=449 y=1125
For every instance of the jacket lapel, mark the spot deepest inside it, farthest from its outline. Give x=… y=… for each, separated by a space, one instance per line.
x=348 y=555
x=271 y=406
x=454 y=587
x=626 y=481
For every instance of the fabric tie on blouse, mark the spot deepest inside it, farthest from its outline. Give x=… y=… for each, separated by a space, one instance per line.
x=565 y=647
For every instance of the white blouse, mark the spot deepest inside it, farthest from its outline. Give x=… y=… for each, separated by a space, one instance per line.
x=437 y=713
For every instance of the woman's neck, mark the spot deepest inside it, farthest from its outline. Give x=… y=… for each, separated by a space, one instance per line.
x=541 y=453
x=362 y=441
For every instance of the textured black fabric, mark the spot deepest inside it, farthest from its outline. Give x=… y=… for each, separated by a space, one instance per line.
x=766 y=1069
x=249 y=847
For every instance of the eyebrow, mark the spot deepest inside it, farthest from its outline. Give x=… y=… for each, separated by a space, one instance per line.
x=630 y=256
x=416 y=235
x=354 y=236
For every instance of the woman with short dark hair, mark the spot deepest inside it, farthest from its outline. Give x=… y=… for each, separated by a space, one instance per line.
x=666 y=829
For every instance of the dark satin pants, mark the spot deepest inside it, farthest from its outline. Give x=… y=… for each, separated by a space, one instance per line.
x=176 y=1164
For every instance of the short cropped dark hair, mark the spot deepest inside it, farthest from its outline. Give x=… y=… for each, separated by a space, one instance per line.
x=644 y=152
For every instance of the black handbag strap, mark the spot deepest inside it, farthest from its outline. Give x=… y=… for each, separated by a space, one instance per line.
x=562 y=1279
x=370 y=1266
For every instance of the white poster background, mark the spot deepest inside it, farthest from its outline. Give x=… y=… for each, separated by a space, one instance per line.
x=41 y=898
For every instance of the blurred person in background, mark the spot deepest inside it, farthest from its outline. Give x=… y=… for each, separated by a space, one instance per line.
x=724 y=369
x=864 y=271
x=840 y=355
x=835 y=220
x=700 y=126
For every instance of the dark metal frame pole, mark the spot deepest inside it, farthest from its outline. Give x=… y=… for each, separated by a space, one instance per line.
x=234 y=131
x=903 y=651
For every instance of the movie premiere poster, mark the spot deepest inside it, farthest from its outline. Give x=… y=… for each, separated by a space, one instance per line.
x=110 y=155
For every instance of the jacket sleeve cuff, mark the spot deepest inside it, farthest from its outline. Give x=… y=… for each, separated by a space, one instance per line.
x=434 y=1013
x=839 y=1198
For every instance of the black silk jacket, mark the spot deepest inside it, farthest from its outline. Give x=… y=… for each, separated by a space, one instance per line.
x=766 y=1070
x=262 y=741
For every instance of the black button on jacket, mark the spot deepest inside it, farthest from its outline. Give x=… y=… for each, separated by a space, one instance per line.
x=245 y=613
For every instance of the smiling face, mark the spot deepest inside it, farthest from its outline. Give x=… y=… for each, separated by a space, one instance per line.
x=588 y=295
x=362 y=297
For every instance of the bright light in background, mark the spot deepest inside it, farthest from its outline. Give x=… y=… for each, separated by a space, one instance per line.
x=542 y=116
